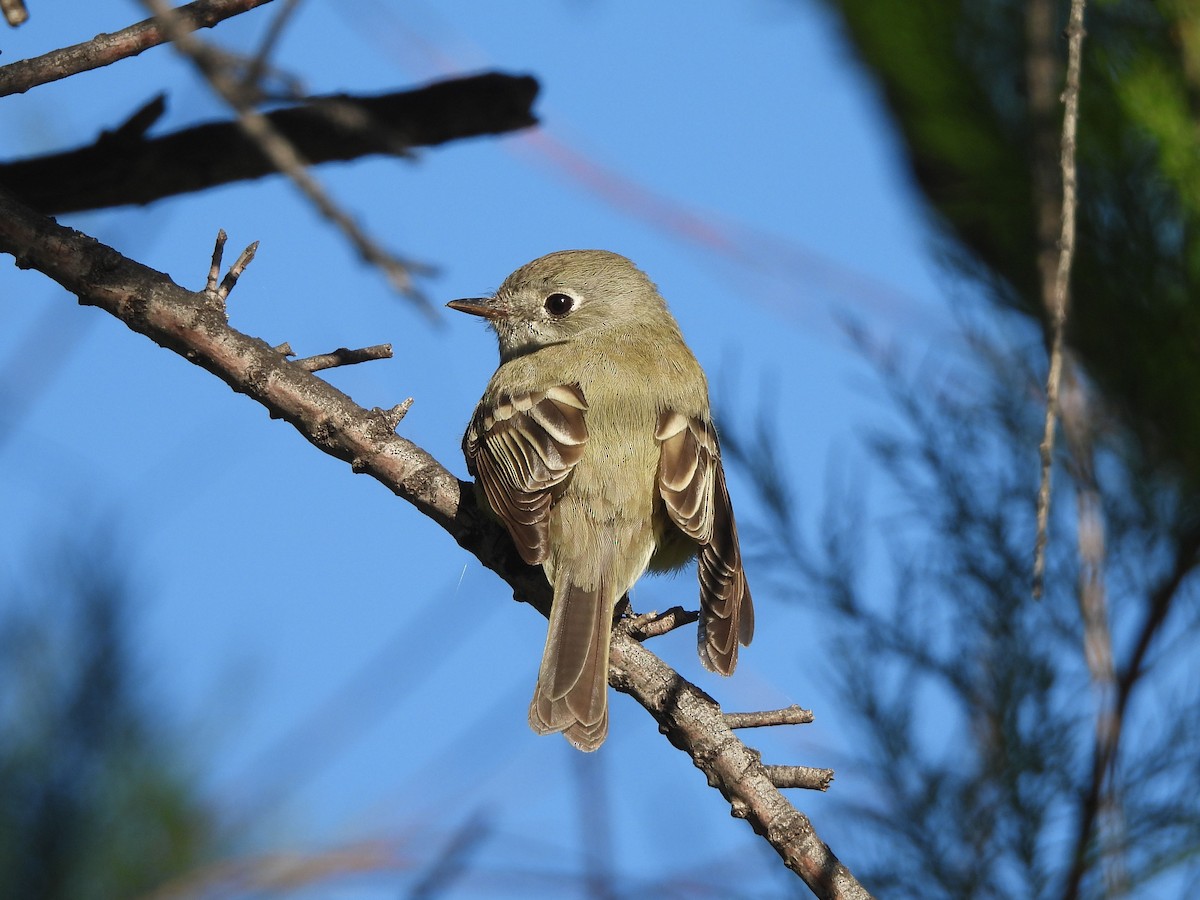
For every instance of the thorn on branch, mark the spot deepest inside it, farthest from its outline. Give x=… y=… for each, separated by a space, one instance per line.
x=791 y=715
x=214 y=271
x=343 y=357
x=235 y=271
x=220 y=292
x=654 y=624
x=800 y=777
x=135 y=127
x=394 y=416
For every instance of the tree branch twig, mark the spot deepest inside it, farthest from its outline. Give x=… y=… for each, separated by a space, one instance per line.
x=106 y=49
x=805 y=777
x=654 y=624
x=343 y=357
x=1059 y=296
x=791 y=715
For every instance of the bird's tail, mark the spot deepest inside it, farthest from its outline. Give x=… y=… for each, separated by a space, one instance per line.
x=572 y=687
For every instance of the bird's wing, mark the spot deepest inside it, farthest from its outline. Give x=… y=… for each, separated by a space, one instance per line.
x=521 y=449
x=691 y=481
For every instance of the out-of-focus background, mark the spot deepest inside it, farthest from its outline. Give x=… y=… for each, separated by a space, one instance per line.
x=230 y=668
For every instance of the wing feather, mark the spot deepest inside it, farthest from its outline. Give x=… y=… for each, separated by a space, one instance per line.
x=691 y=481
x=522 y=449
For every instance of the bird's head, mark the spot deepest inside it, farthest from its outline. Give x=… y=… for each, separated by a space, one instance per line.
x=565 y=295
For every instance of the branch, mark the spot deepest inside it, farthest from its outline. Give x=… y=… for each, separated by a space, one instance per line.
x=654 y=624
x=1107 y=744
x=125 y=167
x=105 y=49
x=800 y=777
x=343 y=357
x=195 y=326
x=692 y=722
x=792 y=715
x=1055 y=290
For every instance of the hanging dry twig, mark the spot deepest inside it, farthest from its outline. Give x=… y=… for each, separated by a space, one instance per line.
x=1062 y=279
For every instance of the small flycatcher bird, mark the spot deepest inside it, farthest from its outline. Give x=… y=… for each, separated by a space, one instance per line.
x=594 y=446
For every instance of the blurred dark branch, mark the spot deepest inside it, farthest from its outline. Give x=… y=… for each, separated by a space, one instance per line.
x=125 y=167
x=15 y=12
x=1078 y=411
x=1104 y=755
x=105 y=49
x=451 y=863
x=195 y=325
x=598 y=880
x=257 y=69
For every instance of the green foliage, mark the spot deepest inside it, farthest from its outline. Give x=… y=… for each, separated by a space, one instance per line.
x=955 y=77
x=93 y=803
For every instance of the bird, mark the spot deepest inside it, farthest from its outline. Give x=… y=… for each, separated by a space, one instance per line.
x=594 y=446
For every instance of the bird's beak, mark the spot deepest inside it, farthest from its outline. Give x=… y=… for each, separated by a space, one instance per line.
x=487 y=307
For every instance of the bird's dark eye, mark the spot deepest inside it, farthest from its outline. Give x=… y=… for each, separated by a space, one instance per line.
x=559 y=304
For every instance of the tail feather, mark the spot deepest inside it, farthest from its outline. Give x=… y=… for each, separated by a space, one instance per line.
x=572 y=689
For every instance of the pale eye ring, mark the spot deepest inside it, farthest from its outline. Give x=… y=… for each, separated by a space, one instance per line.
x=559 y=304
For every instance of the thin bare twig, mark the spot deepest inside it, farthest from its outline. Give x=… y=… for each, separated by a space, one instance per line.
x=106 y=49
x=235 y=271
x=1062 y=279
x=343 y=357
x=394 y=416
x=654 y=624
x=220 y=292
x=214 y=270
x=805 y=777
x=791 y=715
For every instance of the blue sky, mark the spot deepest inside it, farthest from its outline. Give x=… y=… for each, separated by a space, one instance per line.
x=337 y=668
